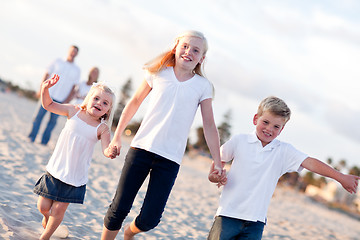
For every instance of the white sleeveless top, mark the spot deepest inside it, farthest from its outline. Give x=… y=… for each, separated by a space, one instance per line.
x=71 y=158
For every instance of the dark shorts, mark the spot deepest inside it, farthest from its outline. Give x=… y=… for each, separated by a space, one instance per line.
x=49 y=187
x=226 y=228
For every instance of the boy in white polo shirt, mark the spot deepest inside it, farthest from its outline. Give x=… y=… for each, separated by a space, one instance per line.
x=259 y=160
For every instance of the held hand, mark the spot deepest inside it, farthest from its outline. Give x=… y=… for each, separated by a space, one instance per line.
x=350 y=182
x=51 y=81
x=218 y=168
x=112 y=152
x=216 y=177
x=117 y=145
x=223 y=178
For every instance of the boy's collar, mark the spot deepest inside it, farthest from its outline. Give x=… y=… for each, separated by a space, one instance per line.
x=252 y=138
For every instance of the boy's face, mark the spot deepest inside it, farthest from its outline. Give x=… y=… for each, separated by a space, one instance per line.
x=268 y=126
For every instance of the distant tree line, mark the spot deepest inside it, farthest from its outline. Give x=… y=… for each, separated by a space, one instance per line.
x=125 y=94
x=310 y=178
x=224 y=130
x=9 y=86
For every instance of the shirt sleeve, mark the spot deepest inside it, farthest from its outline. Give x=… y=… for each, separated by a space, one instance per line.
x=227 y=150
x=293 y=159
x=77 y=76
x=149 y=78
x=51 y=68
x=208 y=91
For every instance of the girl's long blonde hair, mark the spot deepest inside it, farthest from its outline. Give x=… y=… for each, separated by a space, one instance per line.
x=167 y=59
x=102 y=87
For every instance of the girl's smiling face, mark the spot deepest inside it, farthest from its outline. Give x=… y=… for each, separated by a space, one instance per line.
x=189 y=52
x=268 y=126
x=99 y=103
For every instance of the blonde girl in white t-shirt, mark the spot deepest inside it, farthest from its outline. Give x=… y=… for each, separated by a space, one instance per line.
x=178 y=87
x=67 y=170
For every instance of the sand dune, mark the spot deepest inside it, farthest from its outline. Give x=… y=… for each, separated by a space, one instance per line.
x=189 y=212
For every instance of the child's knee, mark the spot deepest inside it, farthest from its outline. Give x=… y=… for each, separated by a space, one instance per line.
x=59 y=208
x=114 y=219
x=146 y=224
x=44 y=204
x=43 y=210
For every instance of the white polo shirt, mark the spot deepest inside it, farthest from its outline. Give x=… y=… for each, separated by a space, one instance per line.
x=254 y=174
x=69 y=74
x=170 y=114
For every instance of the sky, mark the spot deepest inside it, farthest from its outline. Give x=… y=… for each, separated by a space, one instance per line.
x=305 y=52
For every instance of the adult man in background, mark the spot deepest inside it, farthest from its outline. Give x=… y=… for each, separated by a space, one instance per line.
x=69 y=74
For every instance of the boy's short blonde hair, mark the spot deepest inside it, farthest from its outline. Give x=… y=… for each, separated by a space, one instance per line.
x=275 y=106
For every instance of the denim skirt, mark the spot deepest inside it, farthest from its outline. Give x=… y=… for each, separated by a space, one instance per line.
x=49 y=187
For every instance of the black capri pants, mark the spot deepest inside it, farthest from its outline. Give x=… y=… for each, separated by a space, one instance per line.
x=138 y=164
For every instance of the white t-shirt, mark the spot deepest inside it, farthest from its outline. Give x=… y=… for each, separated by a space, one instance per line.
x=69 y=76
x=82 y=90
x=72 y=155
x=171 y=111
x=254 y=174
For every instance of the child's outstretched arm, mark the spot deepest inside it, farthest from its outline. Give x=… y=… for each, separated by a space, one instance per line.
x=349 y=182
x=211 y=133
x=46 y=100
x=129 y=111
x=48 y=103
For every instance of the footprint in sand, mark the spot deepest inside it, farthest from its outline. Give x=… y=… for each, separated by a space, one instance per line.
x=61 y=232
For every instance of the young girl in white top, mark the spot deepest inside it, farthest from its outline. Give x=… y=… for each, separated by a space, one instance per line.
x=178 y=88
x=67 y=170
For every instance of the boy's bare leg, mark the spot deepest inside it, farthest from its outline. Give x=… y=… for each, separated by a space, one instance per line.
x=108 y=234
x=130 y=231
x=56 y=216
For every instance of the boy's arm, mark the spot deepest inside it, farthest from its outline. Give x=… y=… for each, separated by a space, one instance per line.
x=211 y=133
x=349 y=182
x=48 y=103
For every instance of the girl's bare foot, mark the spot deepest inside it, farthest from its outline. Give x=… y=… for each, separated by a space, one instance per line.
x=128 y=234
x=44 y=221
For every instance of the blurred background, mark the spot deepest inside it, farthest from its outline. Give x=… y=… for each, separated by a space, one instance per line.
x=305 y=52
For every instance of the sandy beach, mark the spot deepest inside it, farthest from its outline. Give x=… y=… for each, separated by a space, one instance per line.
x=189 y=212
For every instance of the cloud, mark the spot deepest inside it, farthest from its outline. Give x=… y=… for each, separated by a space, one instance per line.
x=304 y=52
x=343 y=120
